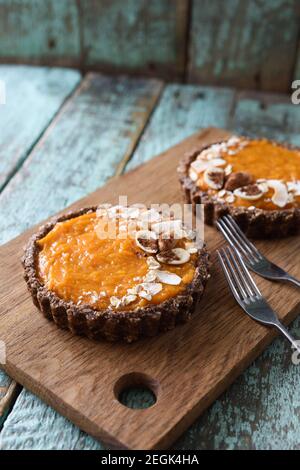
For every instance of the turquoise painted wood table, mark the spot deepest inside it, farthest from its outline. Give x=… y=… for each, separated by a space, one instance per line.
x=62 y=136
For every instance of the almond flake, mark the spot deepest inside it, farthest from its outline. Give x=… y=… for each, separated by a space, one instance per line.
x=175 y=256
x=168 y=278
x=115 y=301
x=128 y=299
x=294 y=187
x=168 y=228
x=251 y=192
x=193 y=174
x=191 y=247
x=280 y=196
x=150 y=276
x=214 y=177
x=152 y=263
x=152 y=288
x=230 y=198
x=147 y=241
x=228 y=169
x=144 y=295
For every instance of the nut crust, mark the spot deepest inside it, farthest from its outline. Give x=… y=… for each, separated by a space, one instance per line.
x=110 y=324
x=255 y=223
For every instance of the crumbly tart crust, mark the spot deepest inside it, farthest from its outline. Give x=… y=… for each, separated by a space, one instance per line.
x=112 y=325
x=255 y=222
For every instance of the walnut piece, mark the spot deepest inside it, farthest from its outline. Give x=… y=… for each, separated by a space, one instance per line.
x=238 y=180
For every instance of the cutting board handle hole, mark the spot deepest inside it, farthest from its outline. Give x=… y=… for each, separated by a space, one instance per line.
x=136 y=390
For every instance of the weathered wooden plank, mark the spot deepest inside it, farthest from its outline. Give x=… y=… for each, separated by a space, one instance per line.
x=44 y=32
x=182 y=110
x=80 y=151
x=135 y=36
x=33 y=96
x=244 y=43
x=265 y=114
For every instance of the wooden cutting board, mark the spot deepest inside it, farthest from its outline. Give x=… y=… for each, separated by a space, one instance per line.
x=187 y=368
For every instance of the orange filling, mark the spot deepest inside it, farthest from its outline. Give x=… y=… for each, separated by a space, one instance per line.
x=263 y=160
x=81 y=267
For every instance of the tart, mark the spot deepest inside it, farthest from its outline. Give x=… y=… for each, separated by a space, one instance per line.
x=115 y=272
x=256 y=181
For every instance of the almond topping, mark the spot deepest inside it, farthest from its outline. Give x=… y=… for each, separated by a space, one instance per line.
x=147 y=241
x=145 y=295
x=175 y=256
x=214 y=177
x=151 y=288
x=238 y=180
x=152 y=263
x=294 y=187
x=168 y=278
x=280 y=196
x=250 y=192
x=166 y=244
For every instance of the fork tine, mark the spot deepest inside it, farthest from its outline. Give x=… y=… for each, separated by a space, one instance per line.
x=230 y=237
x=230 y=220
x=235 y=275
x=247 y=273
x=248 y=292
x=221 y=256
x=239 y=240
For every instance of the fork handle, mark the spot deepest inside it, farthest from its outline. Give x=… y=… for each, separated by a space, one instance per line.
x=293 y=280
x=285 y=332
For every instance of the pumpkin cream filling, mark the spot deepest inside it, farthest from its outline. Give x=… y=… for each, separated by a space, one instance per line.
x=125 y=272
x=251 y=173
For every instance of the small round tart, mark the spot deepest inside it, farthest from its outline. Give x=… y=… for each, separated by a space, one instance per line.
x=115 y=272
x=256 y=181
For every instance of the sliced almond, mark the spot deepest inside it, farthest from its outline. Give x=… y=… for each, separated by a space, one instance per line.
x=152 y=288
x=168 y=228
x=250 y=192
x=128 y=299
x=115 y=301
x=175 y=256
x=168 y=278
x=150 y=276
x=199 y=166
x=294 y=187
x=145 y=295
x=147 y=241
x=214 y=177
x=280 y=196
x=191 y=247
x=152 y=263
x=193 y=174
x=150 y=215
x=228 y=170
x=230 y=198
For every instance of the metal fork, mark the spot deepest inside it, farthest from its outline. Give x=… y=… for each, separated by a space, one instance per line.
x=247 y=293
x=252 y=257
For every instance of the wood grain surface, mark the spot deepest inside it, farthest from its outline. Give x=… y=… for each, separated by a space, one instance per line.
x=36 y=32
x=40 y=90
x=212 y=345
x=244 y=43
x=143 y=36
